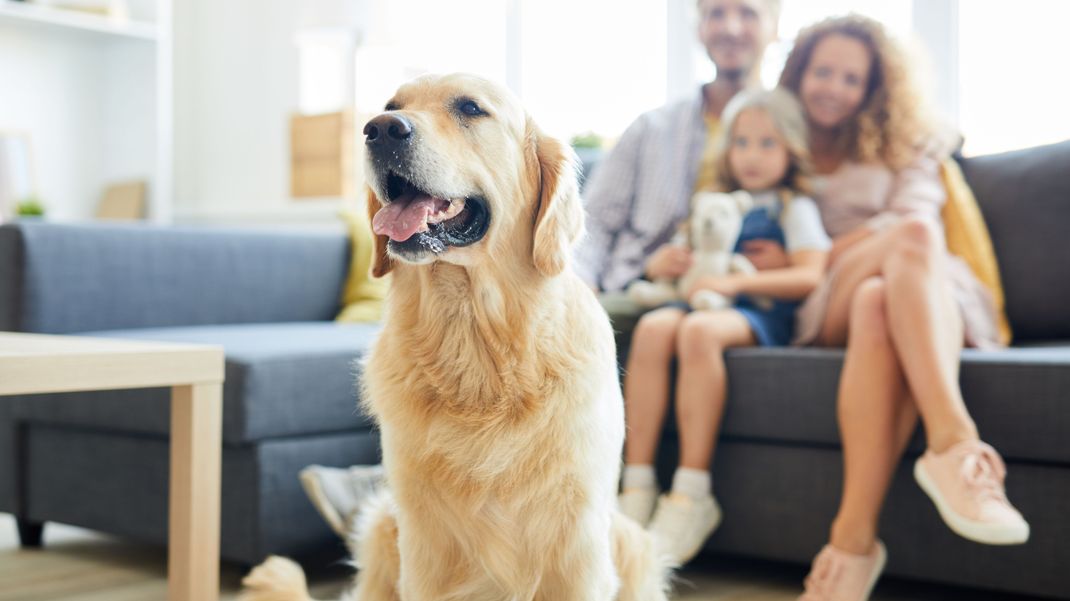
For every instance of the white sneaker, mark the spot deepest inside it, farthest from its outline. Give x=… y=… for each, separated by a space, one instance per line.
x=683 y=524
x=638 y=504
x=337 y=493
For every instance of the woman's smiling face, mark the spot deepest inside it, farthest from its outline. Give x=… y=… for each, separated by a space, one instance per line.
x=834 y=82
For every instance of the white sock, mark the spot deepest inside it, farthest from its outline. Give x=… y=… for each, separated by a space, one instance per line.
x=638 y=476
x=694 y=483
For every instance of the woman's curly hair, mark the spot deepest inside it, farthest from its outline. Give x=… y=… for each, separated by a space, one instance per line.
x=893 y=122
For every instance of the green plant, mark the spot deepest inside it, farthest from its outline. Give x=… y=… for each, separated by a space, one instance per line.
x=587 y=140
x=31 y=207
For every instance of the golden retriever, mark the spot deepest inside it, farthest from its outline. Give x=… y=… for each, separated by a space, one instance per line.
x=494 y=381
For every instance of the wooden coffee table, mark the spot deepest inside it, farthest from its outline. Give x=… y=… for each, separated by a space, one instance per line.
x=37 y=363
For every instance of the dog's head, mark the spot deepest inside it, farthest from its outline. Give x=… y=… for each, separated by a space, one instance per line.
x=716 y=219
x=458 y=172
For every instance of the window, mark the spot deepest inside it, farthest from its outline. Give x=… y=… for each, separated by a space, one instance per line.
x=595 y=65
x=591 y=65
x=1013 y=91
x=578 y=65
x=414 y=37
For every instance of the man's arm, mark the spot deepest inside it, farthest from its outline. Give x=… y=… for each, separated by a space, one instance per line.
x=609 y=200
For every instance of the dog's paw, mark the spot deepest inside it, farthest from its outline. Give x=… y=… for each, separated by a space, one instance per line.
x=277 y=579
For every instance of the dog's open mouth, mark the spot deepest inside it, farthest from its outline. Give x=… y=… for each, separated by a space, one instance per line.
x=417 y=220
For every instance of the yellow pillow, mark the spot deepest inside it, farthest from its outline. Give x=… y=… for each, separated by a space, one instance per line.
x=363 y=296
x=967 y=237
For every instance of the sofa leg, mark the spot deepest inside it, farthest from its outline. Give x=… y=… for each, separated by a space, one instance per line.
x=30 y=533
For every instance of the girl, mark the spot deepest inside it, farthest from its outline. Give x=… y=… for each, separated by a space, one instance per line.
x=894 y=296
x=763 y=150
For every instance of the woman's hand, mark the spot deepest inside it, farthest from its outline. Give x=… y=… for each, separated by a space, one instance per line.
x=766 y=254
x=725 y=285
x=668 y=261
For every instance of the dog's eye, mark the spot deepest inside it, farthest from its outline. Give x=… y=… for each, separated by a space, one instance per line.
x=469 y=107
x=391 y=106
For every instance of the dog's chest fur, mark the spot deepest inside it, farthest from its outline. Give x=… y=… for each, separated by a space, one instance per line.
x=481 y=394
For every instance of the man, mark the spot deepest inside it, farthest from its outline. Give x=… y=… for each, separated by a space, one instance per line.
x=641 y=190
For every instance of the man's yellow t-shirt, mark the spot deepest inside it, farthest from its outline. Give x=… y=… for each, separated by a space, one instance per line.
x=706 y=177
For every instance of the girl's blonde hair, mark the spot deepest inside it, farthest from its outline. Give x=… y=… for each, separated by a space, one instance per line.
x=790 y=122
x=893 y=122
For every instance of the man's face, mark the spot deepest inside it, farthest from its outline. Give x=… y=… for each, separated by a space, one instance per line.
x=735 y=33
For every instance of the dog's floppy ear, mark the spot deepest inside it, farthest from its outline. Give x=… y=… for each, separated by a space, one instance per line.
x=559 y=214
x=381 y=263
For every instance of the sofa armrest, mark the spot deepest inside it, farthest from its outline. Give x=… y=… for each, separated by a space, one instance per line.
x=65 y=278
x=10 y=277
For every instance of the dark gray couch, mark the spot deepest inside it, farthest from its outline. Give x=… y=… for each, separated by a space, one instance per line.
x=100 y=460
x=289 y=397
x=778 y=467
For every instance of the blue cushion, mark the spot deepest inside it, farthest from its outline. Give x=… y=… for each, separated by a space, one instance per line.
x=76 y=278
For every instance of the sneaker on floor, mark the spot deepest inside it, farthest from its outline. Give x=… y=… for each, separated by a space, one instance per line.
x=966 y=484
x=638 y=504
x=841 y=576
x=682 y=524
x=337 y=493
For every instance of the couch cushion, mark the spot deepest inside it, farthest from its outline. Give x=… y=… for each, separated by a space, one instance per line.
x=282 y=379
x=120 y=483
x=1025 y=198
x=1017 y=397
x=63 y=278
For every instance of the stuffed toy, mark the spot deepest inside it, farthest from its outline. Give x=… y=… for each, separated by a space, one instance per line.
x=715 y=222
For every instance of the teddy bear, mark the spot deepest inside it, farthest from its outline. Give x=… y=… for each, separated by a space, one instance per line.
x=714 y=227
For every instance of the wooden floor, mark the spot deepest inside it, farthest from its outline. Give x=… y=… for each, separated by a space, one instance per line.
x=79 y=565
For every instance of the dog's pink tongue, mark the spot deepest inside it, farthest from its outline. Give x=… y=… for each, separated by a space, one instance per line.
x=399 y=220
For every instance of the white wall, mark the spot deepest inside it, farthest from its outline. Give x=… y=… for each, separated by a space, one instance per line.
x=236 y=85
x=128 y=105
x=86 y=102
x=45 y=78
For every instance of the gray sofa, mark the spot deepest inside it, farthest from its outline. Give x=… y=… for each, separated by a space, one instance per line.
x=289 y=397
x=778 y=467
x=100 y=460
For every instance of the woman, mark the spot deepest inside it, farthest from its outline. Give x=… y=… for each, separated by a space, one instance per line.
x=895 y=298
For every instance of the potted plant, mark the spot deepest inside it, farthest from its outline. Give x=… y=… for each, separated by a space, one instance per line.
x=30 y=207
x=588 y=147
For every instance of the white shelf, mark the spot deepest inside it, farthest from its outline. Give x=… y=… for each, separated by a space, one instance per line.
x=26 y=12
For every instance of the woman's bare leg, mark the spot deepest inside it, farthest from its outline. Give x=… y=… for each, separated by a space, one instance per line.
x=924 y=321
x=876 y=419
x=926 y=327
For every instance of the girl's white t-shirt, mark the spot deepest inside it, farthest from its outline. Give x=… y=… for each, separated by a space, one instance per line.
x=800 y=220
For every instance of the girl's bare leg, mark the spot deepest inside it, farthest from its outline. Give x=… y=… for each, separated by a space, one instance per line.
x=646 y=382
x=701 y=384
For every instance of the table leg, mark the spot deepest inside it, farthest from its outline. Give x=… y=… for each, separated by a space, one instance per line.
x=196 y=455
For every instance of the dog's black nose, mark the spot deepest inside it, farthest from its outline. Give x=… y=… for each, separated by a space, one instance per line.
x=387 y=129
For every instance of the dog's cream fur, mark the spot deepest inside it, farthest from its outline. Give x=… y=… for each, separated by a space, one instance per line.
x=495 y=385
